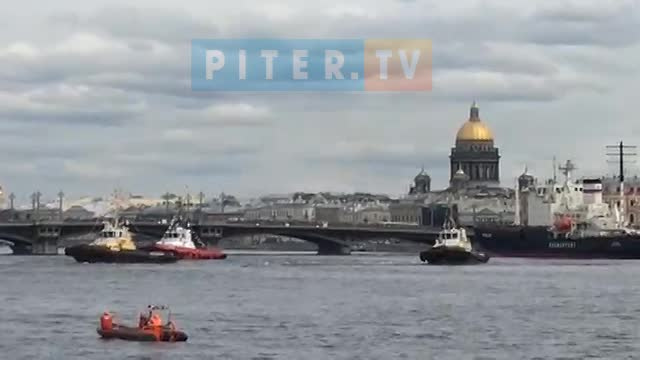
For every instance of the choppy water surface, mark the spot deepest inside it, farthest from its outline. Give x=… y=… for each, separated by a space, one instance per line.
x=322 y=307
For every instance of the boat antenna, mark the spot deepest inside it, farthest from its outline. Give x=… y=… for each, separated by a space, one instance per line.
x=114 y=207
x=449 y=220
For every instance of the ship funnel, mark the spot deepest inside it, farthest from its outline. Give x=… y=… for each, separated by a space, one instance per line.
x=592 y=191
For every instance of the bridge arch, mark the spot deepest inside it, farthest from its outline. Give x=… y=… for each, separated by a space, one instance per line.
x=19 y=245
x=15 y=239
x=326 y=244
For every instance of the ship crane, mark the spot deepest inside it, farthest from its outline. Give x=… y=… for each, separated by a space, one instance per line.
x=621 y=205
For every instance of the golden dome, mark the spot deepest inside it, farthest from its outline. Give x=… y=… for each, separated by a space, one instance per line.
x=474 y=128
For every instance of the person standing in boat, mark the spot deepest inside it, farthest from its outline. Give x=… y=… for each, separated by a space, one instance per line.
x=106 y=321
x=155 y=321
x=145 y=317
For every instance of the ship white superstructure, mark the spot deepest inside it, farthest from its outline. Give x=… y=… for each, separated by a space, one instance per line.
x=581 y=201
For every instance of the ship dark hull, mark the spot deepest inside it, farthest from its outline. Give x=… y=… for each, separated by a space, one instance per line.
x=93 y=254
x=440 y=256
x=537 y=242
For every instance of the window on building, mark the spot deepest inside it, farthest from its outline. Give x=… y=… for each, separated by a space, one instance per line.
x=632 y=218
x=632 y=202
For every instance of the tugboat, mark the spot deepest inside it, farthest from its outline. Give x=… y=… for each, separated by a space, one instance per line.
x=149 y=328
x=178 y=241
x=453 y=247
x=115 y=245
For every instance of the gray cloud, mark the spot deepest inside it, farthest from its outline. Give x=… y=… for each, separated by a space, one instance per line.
x=126 y=22
x=96 y=97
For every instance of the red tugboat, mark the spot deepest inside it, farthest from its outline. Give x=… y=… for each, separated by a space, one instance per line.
x=179 y=241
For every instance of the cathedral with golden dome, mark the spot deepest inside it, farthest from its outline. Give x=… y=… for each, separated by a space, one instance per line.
x=474 y=188
x=474 y=158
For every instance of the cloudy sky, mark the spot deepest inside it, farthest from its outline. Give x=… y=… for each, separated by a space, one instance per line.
x=96 y=95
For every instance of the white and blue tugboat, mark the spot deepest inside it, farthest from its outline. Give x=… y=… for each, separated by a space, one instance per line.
x=453 y=247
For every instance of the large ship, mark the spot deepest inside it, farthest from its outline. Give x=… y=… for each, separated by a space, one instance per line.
x=568 y=220
x=538 y=242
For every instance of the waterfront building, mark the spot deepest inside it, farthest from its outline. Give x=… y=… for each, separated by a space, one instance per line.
x=77 y=212
x=631 y=197
x=493 y=209
x=42 y=213
x=411 y=212
x=320 y=207
x=331 y=214
x=281 y=212
x=475 y=152
x=373 y=215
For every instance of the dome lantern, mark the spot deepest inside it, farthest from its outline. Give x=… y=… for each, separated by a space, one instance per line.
x=474 y=112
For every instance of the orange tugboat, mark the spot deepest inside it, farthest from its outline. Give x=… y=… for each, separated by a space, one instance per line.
x=150 y=327
x=178 y=241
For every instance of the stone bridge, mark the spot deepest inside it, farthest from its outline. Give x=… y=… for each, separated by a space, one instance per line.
x=330 y=240
x=43 y=238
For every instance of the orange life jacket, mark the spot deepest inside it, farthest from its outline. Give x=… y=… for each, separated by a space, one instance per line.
x=106 y=321
x=156 y=326
x=155 y=321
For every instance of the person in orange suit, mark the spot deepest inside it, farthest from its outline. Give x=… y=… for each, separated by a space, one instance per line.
x=155 y=324
x=155 y=320
x=106 y=321
x=145 y=317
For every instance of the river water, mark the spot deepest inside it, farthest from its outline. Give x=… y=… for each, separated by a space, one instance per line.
x=279 y=306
